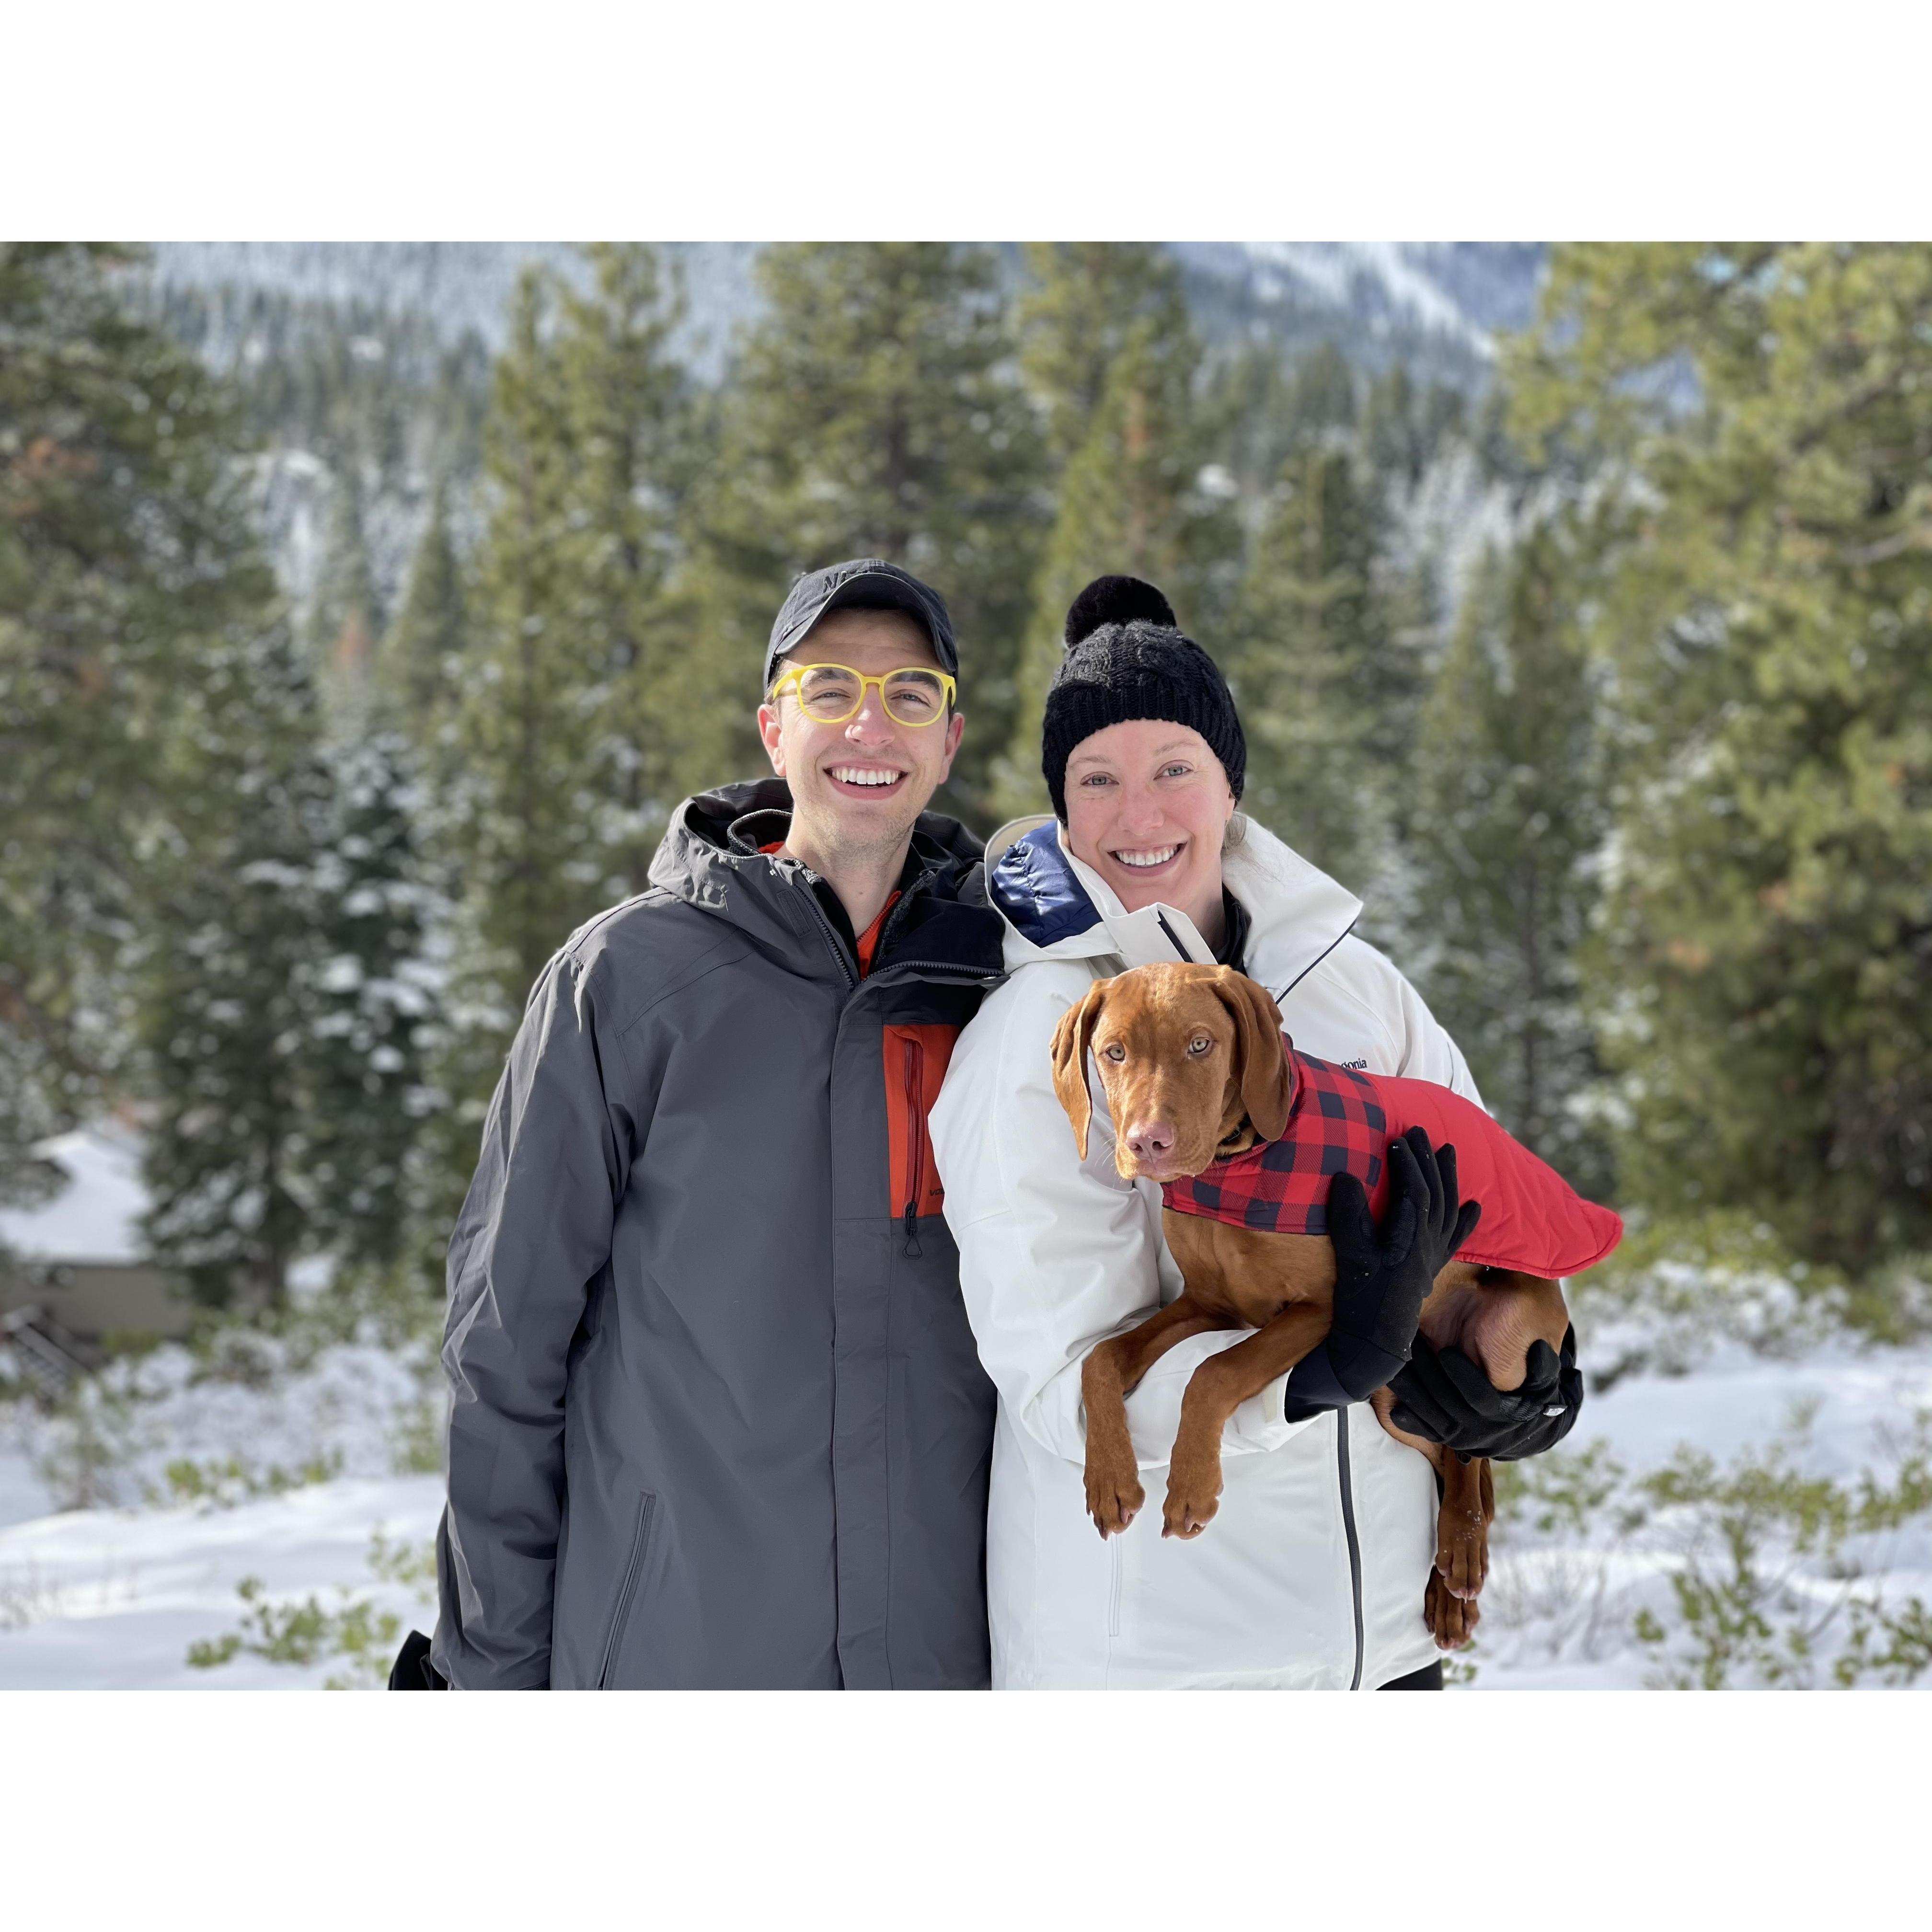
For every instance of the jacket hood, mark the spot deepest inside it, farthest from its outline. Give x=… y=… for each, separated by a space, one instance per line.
x=1055 y=906
x=709 y=858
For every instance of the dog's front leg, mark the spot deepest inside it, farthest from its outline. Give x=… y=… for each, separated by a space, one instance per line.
x=1215 y=1390
x=1462 y=1528
x=1111 y=1372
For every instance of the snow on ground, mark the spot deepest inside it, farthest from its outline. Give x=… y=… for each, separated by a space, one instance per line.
x=23 y=1494
x=249 y=1413
x=311 y=1471
x=113 y=1599
x=130 y=1518
x=1799 y=1417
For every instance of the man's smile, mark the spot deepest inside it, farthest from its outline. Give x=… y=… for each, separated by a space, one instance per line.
x=865 y=780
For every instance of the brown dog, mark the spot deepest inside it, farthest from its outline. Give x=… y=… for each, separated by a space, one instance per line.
x=1191 y=1060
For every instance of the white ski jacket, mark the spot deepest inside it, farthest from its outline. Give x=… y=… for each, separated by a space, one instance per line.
x=1312 y=1574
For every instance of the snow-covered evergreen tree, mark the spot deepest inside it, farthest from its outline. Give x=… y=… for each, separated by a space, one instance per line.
x=365 y=988
x=228 y=935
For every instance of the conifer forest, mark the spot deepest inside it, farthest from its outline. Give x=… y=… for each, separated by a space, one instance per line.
x=349 y=663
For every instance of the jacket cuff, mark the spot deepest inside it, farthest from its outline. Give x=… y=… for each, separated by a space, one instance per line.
x=1312 y=1387
x=1318 y=1381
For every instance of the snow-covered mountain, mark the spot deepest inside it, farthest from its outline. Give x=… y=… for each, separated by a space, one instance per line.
x=1434 y=305
x=460 y=286
x=1437 y=303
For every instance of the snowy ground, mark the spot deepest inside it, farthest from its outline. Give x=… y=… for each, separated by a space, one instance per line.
x=1563 y=1598
x=113 y=1599
x=311 y=1472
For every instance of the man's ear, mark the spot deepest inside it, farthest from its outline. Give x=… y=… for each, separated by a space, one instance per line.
x=955 y=729
x=1261 y=1062
x=769 y=737
x=1071 y=1040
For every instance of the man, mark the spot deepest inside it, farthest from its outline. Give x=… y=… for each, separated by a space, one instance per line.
x=718 y=1420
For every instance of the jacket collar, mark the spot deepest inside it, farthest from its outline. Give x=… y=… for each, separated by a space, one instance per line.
x=1055 y=906
x=709 y=858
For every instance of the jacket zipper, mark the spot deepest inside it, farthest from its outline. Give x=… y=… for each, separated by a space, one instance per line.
x=825 y=926
x=640 y=1537
x=1117 y=1545
x=915 y=1067
x=968 y=975
x=1354 y=1543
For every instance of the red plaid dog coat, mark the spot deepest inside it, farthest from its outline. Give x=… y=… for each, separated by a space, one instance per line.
x=1340 y=1120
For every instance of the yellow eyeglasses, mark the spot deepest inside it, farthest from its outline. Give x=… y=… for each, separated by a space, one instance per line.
x=830 y=694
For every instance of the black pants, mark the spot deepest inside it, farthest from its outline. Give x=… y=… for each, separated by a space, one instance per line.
x=1429 y=1678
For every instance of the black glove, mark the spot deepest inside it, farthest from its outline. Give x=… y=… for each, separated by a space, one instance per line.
x=413 y=1670
x=1382 y=1277
x=1447 y=1398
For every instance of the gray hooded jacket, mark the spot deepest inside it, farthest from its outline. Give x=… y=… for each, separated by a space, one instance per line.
x=717 y=1417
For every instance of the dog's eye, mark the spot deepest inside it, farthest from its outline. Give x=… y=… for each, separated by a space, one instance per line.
x=1114 y=1052
x=1201 y=1043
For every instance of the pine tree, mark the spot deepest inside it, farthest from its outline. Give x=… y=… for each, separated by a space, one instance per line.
x=226 y=934
x=1764 y=971
x=421 y=665
x=627 y=413
x=586 y=710
x=1265 y=408
x=1392 y=430
x=1086 y=299
x=1136 y=494
x=1508 y=817
x=365 y=988
x=132 y=596
x=874 y=409
x=343 y=625
x=1328 y=691
x=285 y=982
x=522 y=815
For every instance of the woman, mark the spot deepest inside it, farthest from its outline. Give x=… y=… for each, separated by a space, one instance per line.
x=1312 y=1573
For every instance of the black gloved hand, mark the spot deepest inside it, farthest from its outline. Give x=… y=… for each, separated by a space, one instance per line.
x=1447 y=1398
x=413 y=1671
x=1382 y=1275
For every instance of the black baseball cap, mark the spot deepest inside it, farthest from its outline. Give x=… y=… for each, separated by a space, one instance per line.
x=861 y=583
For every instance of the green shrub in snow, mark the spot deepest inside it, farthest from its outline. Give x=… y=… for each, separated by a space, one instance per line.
x=306 y=1632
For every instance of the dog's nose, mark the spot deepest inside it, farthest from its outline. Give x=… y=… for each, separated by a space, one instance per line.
x=1151 y=1140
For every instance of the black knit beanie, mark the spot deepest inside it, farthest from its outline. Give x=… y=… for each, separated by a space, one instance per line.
x=1126 y=658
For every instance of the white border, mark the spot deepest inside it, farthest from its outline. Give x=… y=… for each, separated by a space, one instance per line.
x=396 y=119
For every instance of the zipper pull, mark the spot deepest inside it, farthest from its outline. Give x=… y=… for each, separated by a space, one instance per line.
x=912 y=1246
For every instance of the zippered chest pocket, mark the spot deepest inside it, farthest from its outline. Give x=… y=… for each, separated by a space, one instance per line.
x=916 y=1060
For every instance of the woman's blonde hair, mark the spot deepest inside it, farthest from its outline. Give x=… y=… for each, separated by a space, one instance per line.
x=1234 y=833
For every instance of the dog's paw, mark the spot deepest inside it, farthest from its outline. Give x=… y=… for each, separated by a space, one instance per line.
x=1452 y=1620
x=1193 y=1489
x=1114 y=1496
x=1461 y=1552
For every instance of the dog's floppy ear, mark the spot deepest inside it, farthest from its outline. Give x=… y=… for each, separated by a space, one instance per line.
x=1261 y=1065
x=1071 y=1040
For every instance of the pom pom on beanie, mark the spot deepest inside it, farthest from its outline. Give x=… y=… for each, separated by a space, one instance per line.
x=1116 y=600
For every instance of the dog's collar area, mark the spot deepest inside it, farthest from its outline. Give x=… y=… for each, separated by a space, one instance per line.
x=1244 y=1138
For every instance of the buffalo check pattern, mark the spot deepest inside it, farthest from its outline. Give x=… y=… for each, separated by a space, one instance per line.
x=1336 y=1124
